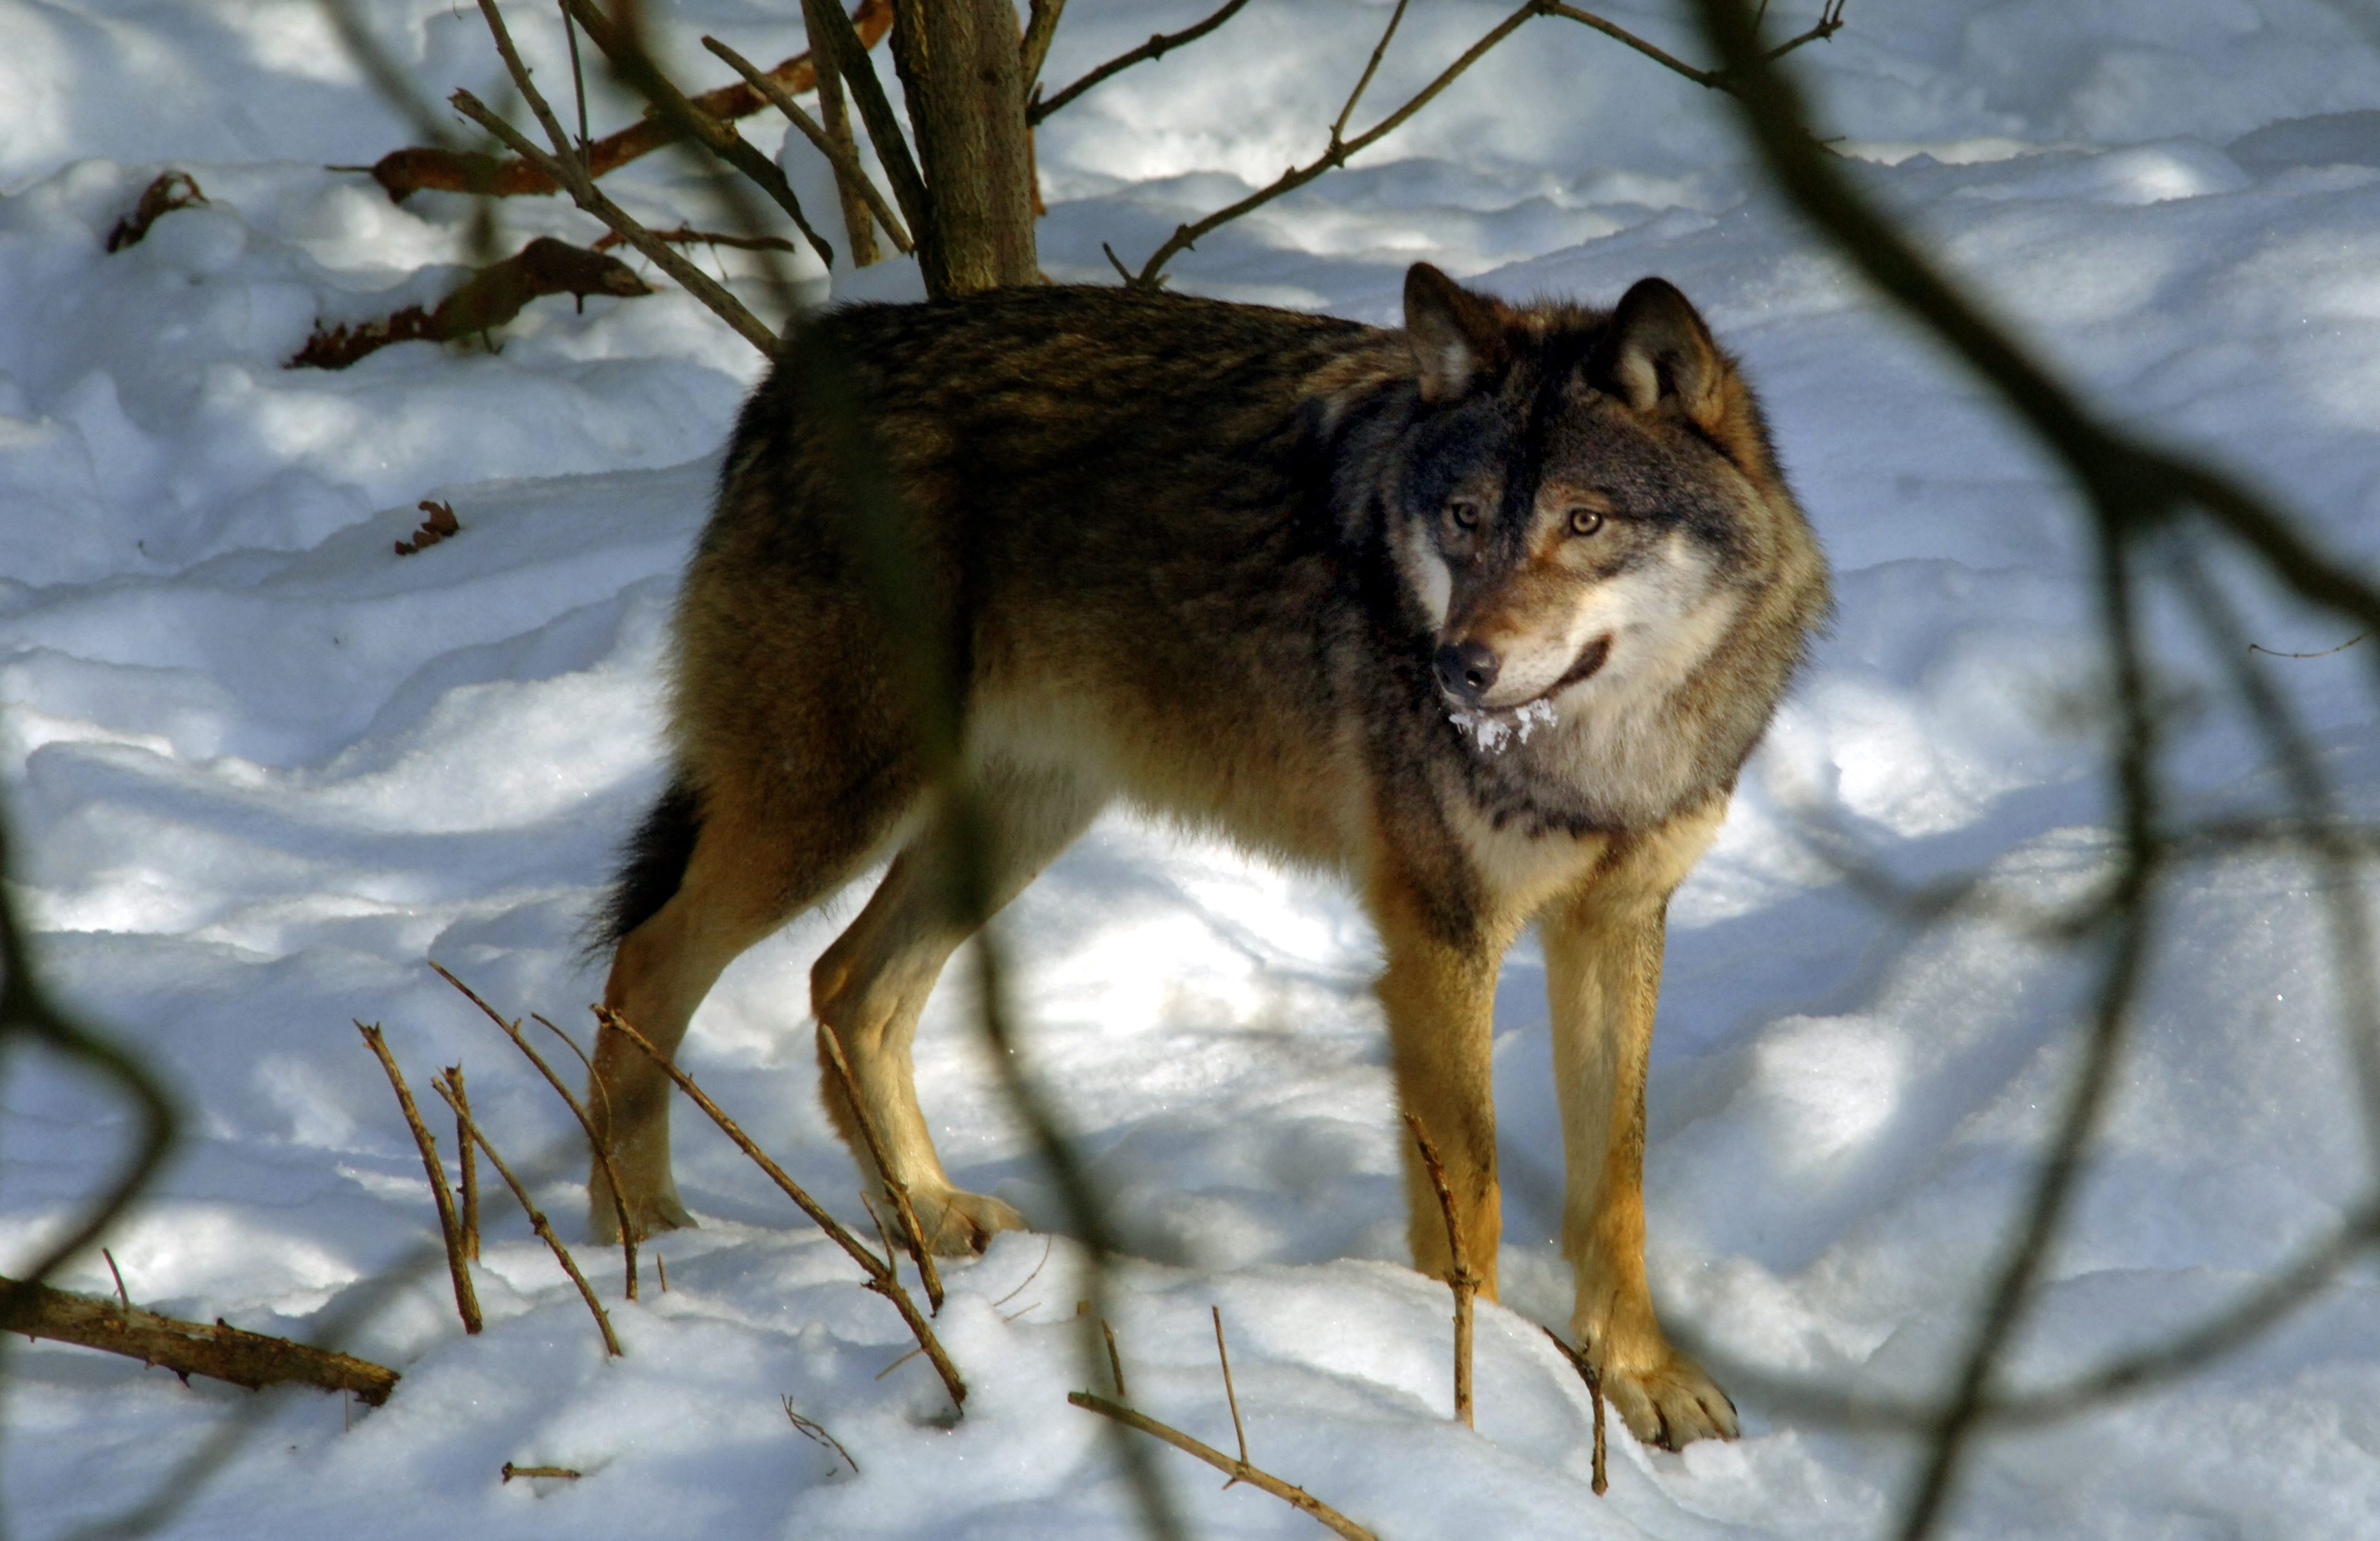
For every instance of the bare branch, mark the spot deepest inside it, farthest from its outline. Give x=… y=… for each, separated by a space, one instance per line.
x=1829 y=22
x=1157 y=47
x=1239 y=1430
x=466 y=1300
x=1371 y=68
x=1187 y=235
x=898 y=1191
x=423 y=168
x=577 y=1111
x=584 y=193
x=1594 y=1379
x=847 y=165
x=635 y=65
x=830 y=27
x=1040 y=27
x=1238 y=1471
x=467 y=1158
x=218 y=1352
x=2269 y=652
x=881 y=1277
x=535 y=1216
x=1465 y=1282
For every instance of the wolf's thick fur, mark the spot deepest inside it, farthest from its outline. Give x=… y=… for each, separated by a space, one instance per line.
x=1485 y=614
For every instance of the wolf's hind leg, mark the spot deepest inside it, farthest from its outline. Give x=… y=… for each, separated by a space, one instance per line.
x=1603 y=973
x=869 y=987
x=749 y=872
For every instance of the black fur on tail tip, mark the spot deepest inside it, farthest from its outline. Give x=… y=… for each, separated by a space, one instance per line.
x=651 y=867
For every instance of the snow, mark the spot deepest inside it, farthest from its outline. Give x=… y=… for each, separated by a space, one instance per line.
x=260 y=767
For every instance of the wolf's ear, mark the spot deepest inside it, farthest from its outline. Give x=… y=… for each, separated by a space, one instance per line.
x=1657 y=347
x=1456 y=335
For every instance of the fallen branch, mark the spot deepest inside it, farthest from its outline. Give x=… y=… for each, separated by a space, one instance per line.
x=1238 y=1471
x=484 y=302
x=881 y=1277
x=218 y=1352
x=466 y=1300
x=577 y=1111
x=536 y=1217
x=1464 y=1281
x=687 y=235
x=171 y=191
x=427 y=168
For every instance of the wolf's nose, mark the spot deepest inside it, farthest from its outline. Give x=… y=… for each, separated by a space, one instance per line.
x=1465 y=670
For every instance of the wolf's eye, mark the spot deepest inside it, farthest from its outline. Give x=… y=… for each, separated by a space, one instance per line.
x=1584 y=521
x=1464 y=513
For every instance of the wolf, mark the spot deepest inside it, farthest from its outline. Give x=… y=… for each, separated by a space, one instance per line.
x=1484 y=613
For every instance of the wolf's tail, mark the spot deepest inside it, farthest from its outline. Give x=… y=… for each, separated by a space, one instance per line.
x=651 y=867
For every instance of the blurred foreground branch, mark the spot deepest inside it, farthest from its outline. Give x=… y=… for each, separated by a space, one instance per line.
x=2135 y=493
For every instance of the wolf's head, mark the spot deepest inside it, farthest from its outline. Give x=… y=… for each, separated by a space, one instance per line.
x=1586 y=506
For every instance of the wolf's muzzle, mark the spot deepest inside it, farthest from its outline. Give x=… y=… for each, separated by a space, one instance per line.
x=1466 y=670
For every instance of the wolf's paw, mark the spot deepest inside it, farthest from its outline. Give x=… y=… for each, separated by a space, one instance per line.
x=1669 y=1402
x=961 y=1224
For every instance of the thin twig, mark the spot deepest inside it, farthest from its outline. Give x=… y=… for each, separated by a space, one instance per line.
x=535 y=1216
x=1594 y=1378
x=911 y=1232
x=563 y=1474
x=1371 y=68
x=466 y=1300
x=636 y=66
x=577 y=1111
x=881 y=1277
x=817 y=1432
x=1238 y=1471
x=1157 y=47
x=1238 y=1431
x=1185 y=236
x=841 y=157
x=2270 y=652
x=123 y=1296
x=1462 y=1279
x=1829 y=22
x=1115 y=1369
x=577 y=86
x=584 y=193
x=467 y=1158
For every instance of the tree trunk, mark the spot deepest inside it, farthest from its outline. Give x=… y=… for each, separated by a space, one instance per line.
x=961 y=74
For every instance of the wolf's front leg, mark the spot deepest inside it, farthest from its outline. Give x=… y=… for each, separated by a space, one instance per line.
x=1603 y=972
x=1440 y=994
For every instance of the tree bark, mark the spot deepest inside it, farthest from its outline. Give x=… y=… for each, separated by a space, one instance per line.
x=960 y=73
